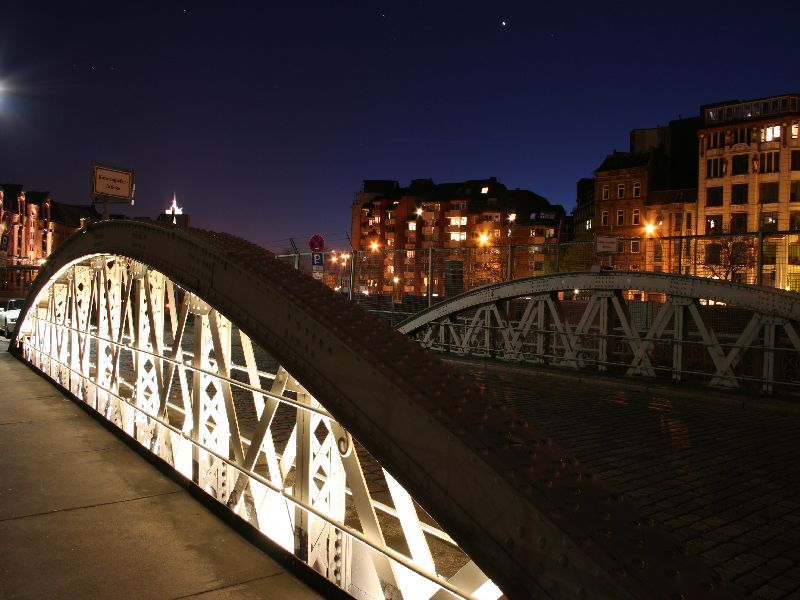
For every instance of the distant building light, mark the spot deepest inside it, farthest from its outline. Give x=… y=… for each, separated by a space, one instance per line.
x=485 y=189
x=512 y=217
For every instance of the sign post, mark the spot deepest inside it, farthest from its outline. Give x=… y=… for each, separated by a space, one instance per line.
x=317 y=244
x=111 y=184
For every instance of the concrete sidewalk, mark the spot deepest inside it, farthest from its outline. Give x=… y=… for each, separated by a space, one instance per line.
x=83 y=516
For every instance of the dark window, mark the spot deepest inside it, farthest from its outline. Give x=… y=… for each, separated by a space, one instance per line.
x=715 y=167
x=794 y=191
x=741 y=135
x=769 y=254
x=768 y=193
x=795 y=160
x=738 y=222
x=740 y=164
x=713 y=254
x=714 y=196
x=657 y=250
x=769 y=162
x=794 y=253
x=635 y=246
x=688 y=220
x=678 y=222
x=794 y=219
x=769 y=221
x=739 y=193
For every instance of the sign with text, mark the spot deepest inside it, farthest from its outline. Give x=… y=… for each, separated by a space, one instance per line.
x=317 y=261
x=112 y=184
x=607 y=244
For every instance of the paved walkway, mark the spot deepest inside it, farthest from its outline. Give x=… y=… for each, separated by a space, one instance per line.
x=720 y=471
x=83 y=516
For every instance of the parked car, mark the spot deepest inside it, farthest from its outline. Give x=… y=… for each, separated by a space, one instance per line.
x=9 y=313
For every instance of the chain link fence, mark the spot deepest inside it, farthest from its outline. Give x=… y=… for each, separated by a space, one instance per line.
x=396 y=283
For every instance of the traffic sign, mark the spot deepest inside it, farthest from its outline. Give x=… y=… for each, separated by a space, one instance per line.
x=316 y=242
x=317 y=259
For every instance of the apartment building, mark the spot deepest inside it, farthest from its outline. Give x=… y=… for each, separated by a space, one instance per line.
x=469 y=233
x=749 y=181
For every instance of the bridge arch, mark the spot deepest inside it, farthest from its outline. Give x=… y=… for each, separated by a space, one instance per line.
x=686 y=328
x=123 y=300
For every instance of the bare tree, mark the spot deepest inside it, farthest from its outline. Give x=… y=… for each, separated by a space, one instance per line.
x=727 y=256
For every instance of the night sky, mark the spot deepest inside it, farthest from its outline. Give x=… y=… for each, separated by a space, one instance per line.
x=264 y=118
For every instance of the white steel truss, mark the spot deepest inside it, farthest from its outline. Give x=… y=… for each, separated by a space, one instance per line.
x=695 y=329
x=176 y=375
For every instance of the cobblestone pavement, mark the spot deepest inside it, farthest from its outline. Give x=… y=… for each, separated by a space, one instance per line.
x=720 y=471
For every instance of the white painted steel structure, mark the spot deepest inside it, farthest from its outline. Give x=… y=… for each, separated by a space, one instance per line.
x=720 y=333
x=254 y=382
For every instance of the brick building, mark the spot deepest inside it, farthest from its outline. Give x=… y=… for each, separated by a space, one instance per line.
x=473 y=232
x=32 y=225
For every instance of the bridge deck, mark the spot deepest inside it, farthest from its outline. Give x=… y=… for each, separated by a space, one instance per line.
x=83 y=516
x=720 y=471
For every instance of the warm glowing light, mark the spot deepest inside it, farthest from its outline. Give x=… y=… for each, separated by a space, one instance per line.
x=374 y=246
x=512 y=217
x=649 y=228
x=577 y=291
x=485 y=190
x=483 y=238
x=419 y=211
x=334 y=258
x=396 y=279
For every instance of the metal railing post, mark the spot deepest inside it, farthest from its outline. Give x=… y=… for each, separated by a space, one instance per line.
x=430 y=277
x=510 y=263
x=760 y=258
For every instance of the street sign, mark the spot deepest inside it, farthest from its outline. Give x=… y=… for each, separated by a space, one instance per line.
x=607 y=244
x=317 y=274
x=316 y=242
x=317 y=261
x=112 y=184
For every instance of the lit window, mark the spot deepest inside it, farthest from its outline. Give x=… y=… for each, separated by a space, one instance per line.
x=496 y=233
x=412 y=226
x=621 y=190
x=485 y=190
x=390 y=269
x=389 y=241
x=635 y=216
x=512 y=217
x=463 y=220
x=795 y=130
x=588 y=224
x=773 y=132
x=457 y=236
x=410 y=254
x=637 y=189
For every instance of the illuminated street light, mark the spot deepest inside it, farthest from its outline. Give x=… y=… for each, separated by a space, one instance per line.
x=419 y=211
x=483 y=239
x=649 y=229
x=512 y=217
x=396 y=279
x=374 y=246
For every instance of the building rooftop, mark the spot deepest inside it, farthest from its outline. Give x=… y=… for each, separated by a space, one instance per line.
x=625 y=160
x=733 y=111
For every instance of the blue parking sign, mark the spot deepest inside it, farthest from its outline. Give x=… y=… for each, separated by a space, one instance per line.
x=317 y=260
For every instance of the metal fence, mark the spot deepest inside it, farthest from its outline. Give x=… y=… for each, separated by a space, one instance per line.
x=397 y=283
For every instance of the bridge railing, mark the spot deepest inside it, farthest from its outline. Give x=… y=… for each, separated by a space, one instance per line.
x=396 y=283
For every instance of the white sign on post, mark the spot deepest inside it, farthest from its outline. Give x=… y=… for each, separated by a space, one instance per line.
x=608 y=244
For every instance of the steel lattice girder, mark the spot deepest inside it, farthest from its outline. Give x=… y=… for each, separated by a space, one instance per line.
x=532 y=518
x=438 y=327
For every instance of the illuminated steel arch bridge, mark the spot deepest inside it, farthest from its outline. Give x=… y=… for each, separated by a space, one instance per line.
x=341 y=440
x=693 y=329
